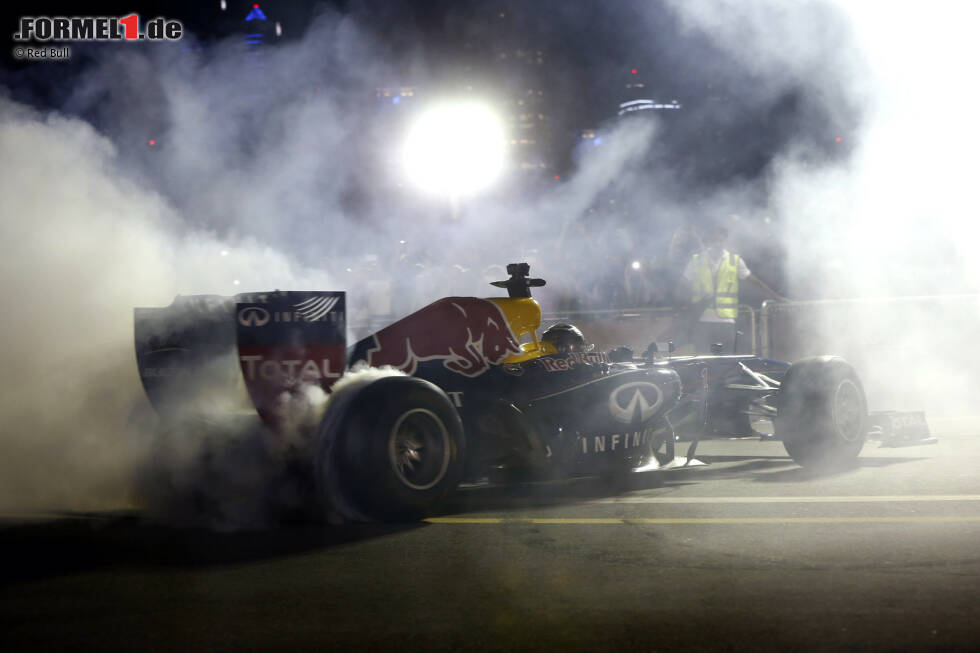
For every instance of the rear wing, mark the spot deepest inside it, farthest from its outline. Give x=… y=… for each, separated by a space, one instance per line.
x=206 y=355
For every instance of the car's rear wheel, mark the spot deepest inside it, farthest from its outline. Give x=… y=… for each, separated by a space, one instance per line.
x=390 y=449
x=822 y=413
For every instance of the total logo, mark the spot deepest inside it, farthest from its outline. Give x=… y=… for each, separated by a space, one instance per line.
x=635 y=403
x=257 y=367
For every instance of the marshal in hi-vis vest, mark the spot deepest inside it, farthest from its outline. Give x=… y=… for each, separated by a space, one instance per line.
x=724 y=287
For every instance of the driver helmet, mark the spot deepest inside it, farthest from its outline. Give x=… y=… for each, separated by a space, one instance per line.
x=565 y=338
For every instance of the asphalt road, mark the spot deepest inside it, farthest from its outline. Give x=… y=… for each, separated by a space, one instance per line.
x=749 y=553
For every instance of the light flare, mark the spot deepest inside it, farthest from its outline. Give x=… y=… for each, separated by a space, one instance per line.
x=455 y=149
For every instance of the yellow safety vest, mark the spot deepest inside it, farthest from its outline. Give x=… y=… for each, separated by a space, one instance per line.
x=724 y=287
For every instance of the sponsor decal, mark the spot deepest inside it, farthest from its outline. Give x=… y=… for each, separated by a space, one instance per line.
x=298 y=344
x=552 y=364
x=287 y=317
x=316 y=308
x=288 y=371
x=466 y=334
x=457 y=398
x=276 y=377
x=253 y=316
x=635 y=403
x=593 y=444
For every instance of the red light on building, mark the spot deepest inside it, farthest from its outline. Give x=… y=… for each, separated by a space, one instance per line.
x=633 y=71
x=838 y=139
x=152 y=142
x=255 y=6
x=557 y=176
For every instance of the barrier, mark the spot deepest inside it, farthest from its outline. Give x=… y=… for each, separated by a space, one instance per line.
x=638 y=327
x=912 y=352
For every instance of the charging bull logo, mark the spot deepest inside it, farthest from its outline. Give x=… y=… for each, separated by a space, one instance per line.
x=466 y=334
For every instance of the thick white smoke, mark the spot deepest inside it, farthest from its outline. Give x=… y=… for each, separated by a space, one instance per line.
x=82 y=244
x=256 y=177
x=245 y=179
x=896 y=218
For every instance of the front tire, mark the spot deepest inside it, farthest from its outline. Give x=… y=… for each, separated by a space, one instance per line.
x=390 y=450
x=822 y=413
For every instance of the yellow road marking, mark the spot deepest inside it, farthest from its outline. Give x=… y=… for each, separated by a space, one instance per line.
x=706 y=520
x=572 y=520
x=462 y=520
x=803 y=499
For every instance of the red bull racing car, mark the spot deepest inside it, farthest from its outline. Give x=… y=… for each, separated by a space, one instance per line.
x=467 y=389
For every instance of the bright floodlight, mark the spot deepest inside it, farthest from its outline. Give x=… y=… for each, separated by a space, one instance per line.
x=455 y=149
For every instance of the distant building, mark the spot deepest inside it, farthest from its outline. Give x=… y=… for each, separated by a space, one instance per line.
x=394 y=95
x=517 y=67
x=495 y=60
x=585 y=140
x=637 y=97
x=259 y=31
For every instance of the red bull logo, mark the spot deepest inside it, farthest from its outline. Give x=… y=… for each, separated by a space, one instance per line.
x=552 y=364
x=467 y=334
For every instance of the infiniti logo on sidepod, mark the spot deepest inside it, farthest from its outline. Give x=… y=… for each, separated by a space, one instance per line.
x=639 y=394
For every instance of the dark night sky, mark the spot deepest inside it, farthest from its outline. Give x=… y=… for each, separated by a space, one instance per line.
x=590 y=47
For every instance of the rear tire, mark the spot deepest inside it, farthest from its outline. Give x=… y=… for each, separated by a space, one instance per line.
x=390 y=449
x=822 y=415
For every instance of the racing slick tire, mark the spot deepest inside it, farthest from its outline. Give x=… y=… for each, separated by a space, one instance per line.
x=822 y=413
x=389 y=449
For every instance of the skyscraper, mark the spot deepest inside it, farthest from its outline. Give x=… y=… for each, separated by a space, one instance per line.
x=517 y=65
x=638 y=97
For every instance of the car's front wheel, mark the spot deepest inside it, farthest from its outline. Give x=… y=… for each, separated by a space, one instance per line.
x=822 y=415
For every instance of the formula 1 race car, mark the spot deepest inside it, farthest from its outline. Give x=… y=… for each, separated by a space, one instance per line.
x=465 y=389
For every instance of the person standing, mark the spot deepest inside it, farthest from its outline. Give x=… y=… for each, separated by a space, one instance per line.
x=713 y=276
x=684 y=244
